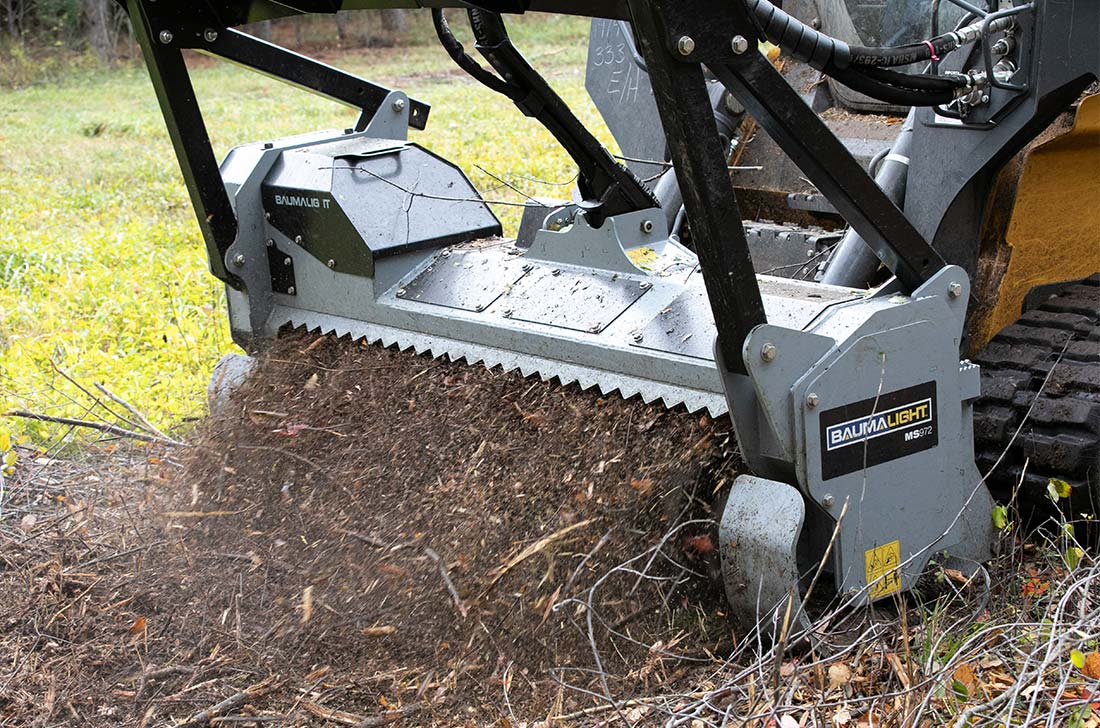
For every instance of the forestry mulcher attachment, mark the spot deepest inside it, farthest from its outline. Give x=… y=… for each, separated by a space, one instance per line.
x=846 y=379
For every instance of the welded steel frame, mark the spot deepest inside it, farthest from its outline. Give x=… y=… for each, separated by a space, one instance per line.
x=676 y=69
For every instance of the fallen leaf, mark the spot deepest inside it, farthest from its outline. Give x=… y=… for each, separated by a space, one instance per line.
x=842 y=717
x=964 y=674
x=839 y=675
x=1092 y=665
x=379 y=631
x=28 y=522
x=138 y=627
x=699 y=544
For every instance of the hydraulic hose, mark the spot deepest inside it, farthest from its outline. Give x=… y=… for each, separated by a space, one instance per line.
x=458 y=54
x=822 y=51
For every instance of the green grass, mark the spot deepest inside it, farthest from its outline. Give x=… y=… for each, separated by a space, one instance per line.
x=102 y=268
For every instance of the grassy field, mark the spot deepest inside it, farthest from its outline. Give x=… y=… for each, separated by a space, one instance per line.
x=102 y=270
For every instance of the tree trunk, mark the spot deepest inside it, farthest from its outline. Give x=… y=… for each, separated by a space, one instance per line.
x=394 y=25
x=99 y=25
x=342 y=28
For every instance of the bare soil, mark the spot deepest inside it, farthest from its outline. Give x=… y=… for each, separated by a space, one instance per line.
x=367 y=537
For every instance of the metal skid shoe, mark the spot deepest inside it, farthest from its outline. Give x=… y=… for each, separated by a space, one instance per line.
x=859 y=429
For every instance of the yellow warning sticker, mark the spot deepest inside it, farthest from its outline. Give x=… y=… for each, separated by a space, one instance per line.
x=882 y=566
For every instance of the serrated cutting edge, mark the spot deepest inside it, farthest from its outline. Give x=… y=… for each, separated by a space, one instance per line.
x=608 y=383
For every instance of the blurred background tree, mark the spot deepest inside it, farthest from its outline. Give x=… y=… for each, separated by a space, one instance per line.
x=101 y=30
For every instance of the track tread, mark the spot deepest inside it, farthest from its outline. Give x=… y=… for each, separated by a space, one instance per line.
x=1061 y=436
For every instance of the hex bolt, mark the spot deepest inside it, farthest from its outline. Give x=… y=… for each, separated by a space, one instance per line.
x=298 y=240
x=446 y=254
x=955 y=289
x=287 y=262
x=645 y=285
x=639 y=337
x=331 y=263
x=556 y=272
x=210 y=35
x=739 y=44
x=527 y=267
x=596 y=328
x=166 y=37
x=507 y=313
x=828 y=500
x=686 y=45
x=401 y=292
x=239 y=261
x=269 y=145
x=647 y=226
x=479 y=308
x=290 y=291
x=812 y=400
x=267 y=215
x=399 y=104
x=768 y=352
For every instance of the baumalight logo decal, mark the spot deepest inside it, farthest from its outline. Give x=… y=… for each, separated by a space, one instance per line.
x=879 y=429
x=876 y=425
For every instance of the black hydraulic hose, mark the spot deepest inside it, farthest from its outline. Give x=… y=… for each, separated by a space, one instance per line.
x=915 y=81
x=458 y=54
x=889 y=93
x=821 y=51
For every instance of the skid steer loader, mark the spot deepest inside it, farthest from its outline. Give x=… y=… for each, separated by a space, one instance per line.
x=934 y=275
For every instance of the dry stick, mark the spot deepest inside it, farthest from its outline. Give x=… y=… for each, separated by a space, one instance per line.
x=355 y=721
x=157 y=674
x=445 y=575
x=101 y=426
x=533 y=549
x=204 y=717
x=91 y=395
x=146 y=424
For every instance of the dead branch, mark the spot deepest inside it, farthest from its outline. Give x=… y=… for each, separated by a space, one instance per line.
x=445 y=575
x=203 y=717
x=350 y=719
x=101 y=426
x=145 y=423
x=535 y=548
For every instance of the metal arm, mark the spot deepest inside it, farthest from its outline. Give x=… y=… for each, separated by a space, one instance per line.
x=607 y=187
x=305 y=73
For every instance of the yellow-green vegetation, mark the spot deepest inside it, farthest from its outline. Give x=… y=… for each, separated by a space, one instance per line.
x=103 y=271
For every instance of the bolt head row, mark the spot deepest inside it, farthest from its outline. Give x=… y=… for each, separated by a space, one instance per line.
x=686 y=45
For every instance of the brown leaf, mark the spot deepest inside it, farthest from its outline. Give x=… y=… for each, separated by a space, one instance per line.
x=1092 y=665
x=964 y=673
x=839 y=675
x=700 y=544
x=138 y=627
x=28 y=522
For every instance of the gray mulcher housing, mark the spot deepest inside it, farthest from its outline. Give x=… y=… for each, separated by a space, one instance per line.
x=851 y=406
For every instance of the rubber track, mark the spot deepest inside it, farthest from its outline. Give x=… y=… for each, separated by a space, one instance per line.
x=1061 y=437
